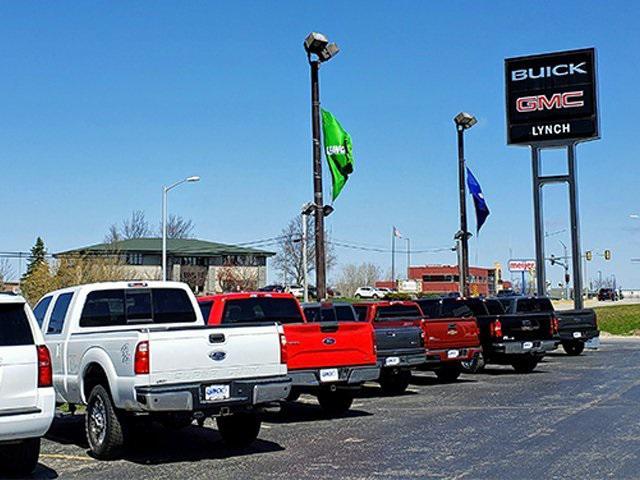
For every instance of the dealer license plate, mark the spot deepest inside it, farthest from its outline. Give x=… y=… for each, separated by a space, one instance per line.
x=577 y=334
x=213 y=393
x=527 y=345
x=453 y=353
x=329 y=375
x=390 y=361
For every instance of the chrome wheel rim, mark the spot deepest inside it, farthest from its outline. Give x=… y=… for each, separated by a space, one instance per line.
x=98 y=422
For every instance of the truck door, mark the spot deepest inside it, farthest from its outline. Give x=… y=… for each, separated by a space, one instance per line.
x=55 y=339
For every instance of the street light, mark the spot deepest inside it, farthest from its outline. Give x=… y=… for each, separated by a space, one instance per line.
x=463 y=122
x=307 y=209
x=319 y=50
x=165 y=191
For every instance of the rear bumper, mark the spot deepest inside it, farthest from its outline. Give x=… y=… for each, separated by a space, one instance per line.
x=190 y=397
x=18 y=424
x=401 y=359
x=519 y=347
x=437 y=357
x=352 y=376
x=580 y=334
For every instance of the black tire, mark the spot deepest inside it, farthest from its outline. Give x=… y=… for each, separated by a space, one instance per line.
x=20 y=459
x=357 y=295
x=525 y=365
x=475 y=365
x=293 y=396
x=375 y=296
x=335 y=403
x=573 y=348
x=240 y=429
x=448 y=373
x=104 y=427
x=394 y=383
x=176 y=421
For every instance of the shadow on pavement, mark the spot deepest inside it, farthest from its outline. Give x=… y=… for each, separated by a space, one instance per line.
x=509 y=371
x=374 y=391
x=297 y=412
x=152 y=444
x=425 y=380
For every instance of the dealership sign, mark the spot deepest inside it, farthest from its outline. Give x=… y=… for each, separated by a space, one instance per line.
x=552 y=98
x=522 y=265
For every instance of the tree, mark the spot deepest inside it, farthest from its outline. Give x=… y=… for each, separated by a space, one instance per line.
x=233 y=278
x=37 y=283
x=353 y=276
x=136 y=226
x=178 y=227
x=37 y=257
x=288 y=260
x=6 y=272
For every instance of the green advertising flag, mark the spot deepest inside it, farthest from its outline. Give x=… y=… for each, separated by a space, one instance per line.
x=338 y=150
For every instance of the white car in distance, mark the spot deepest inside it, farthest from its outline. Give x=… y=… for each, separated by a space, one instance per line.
x=27 y=399
x=371 y=292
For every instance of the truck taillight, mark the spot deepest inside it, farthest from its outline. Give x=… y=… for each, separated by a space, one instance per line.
x=496 y=329
x=554 y=325
x=45 y=371
x=141 y=361
x=284 y=355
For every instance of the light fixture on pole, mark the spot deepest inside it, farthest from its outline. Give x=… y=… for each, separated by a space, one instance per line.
x=165 y=191
x=318 y=50
x=463 y=122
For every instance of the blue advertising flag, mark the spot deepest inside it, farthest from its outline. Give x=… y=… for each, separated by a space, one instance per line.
x=482 y=211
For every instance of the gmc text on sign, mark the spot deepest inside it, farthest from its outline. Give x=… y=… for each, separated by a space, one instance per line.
x=552 y=98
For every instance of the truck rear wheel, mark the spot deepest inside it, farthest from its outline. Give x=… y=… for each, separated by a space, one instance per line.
x=20 y=459
x=448 y=373
x=335 y=402
x=240 y=429
x=525 y=365
x=103 y=426
x=573 y=348
x=394 y=383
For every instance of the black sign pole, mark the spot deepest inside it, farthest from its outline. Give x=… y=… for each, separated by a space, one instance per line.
x=576 y=254
x=541 y=280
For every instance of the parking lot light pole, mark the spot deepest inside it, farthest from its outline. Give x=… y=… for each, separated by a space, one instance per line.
x=165 y=191
x=307 y=209
x=463 y=122
x=318 y=50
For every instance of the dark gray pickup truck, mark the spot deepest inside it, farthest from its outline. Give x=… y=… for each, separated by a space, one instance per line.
x=576 y=328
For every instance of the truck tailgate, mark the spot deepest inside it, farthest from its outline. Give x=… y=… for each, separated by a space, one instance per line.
x=529 y=326
x=218 y=353
x=444 y=333
x=320 y=345
x=397 y=336
x=577 y=319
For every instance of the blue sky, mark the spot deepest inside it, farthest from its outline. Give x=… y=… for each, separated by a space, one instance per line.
x=104 y=102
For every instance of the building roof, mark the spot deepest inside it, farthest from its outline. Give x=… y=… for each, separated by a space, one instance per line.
x=175 y=246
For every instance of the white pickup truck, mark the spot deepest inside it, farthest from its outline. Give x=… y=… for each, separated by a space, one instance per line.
x=27 y=400
x=142 y=349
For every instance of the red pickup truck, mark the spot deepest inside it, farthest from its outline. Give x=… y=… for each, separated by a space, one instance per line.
x=449 y=341
x=330 y=360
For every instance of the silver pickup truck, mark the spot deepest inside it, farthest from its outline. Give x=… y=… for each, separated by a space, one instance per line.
x=142 y=349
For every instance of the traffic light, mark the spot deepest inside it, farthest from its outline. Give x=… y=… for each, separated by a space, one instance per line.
x=588 y=255
x=607 y=254
x=567 y=277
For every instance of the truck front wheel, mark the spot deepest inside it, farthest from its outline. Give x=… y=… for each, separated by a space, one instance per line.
x=525 y=365
x=104 y=427
x=335 y=402
x=448 y=373
x=240 y=429
x=394 y=383
x=573 y=348
x=20 y=459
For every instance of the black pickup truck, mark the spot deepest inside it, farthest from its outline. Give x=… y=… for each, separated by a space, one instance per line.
x=400 y=346
x=576 y=328
x=519 y=340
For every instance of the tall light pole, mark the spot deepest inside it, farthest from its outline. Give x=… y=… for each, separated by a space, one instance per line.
x=318 y=50
x=307 y=209
x=566 y=272
x=165 y=191
x=463 y=122
x=408 y=255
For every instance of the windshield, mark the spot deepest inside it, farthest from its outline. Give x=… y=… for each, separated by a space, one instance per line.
x=317 y=314
x=455 y=308
x=394 y=312
x=345 y=313
x=494 y=307
x=431 y=308
x=14 y=326
x=261 y=310
x=534 y=305
x=361 y=312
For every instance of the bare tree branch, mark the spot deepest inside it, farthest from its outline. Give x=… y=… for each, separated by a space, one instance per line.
x=178 y=227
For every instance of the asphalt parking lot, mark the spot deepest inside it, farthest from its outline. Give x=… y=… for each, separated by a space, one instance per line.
x=574 y=416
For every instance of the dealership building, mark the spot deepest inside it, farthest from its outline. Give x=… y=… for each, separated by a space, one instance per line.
x=207 y=267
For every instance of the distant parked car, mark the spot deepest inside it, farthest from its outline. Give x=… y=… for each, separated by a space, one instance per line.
x=507 y=292
x=371 y=292
x=272 y=288
x=607 y=294
x=295 y=290
x=27 y=399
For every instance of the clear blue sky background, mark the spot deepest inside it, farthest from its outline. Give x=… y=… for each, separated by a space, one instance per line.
x=104 y=102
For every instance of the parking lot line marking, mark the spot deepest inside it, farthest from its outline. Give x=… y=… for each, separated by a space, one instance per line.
x=61 y=456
